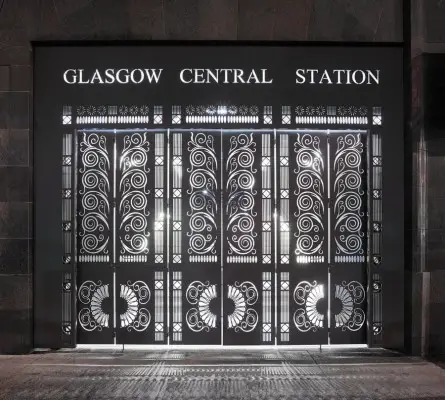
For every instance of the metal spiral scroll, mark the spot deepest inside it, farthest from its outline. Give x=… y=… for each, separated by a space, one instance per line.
x=309 y=194
x=93 y=317
x=350 y=294
x=243 y=318
x=308 y=318
x=241 y=201
x=201 y=294
x=133 y=186
x=348 y=190
x=136 y=295
x=202 y=200
x=94 y=195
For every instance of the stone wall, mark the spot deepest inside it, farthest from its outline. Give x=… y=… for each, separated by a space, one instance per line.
x=428 y=145
x=24 y=21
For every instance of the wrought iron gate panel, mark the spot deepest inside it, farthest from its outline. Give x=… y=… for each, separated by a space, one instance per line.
x=248 y=306
x=195 y=251
x=248 y=230
x=94 y=224
x=140 y=237
x=94 y=196
x=348 y=193
x=303 y=305
x=303 y=237
x=322 y=233
x=95 y=298
x=303 y=198
x=141 y=305
x=140 y=198
x=195 y=307
x=121 y=230
x=348 y=305
x=348 y=237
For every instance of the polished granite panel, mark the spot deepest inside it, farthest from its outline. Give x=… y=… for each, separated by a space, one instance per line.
x=14 y=147
x=216 y=374
x=15 y=257
x=15 y=183
x=14 y=219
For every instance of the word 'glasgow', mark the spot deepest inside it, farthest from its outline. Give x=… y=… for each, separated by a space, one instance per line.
x=110 y=75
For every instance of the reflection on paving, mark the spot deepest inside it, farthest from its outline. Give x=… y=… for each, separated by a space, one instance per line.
x=228 y=374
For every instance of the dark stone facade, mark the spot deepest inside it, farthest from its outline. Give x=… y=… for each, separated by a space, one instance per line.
x=24 y=21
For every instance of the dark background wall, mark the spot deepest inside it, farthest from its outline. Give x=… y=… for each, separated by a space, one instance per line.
x=23 y=21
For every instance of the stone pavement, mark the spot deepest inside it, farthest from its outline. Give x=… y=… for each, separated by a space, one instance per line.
x=220 y=374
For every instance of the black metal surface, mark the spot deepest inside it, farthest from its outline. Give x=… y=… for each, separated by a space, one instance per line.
x=95 y=298
x=141 y=305
x=348 y=304
x=248 y=231
x=195 y=306
x=348 y=189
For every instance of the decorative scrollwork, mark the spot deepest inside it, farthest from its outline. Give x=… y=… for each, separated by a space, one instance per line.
x=203 y=202
x=135 y=317
x=309 y=194
x=93 y=317
x=201 y=294
x=241 y=195
x=94 y=195
x=308 y=317
x=348 y=205
x=243 y=294
x=350 y=317
x=133 y=186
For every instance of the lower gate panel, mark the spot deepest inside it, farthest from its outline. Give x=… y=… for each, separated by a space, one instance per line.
x=303 y=305
x=348 y=304
x=195 y=306
x=95 y=316
x=248 y=306
x=141 y=306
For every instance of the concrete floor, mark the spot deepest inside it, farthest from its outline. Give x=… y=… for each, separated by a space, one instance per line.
x=216 y=374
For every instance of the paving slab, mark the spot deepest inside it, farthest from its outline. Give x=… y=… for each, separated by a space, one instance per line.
x=220 y=374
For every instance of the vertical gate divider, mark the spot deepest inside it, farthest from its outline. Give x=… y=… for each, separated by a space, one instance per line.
x=328 y=166
x=274 y=216
x=370 y=309
x=74 y=143
x=168 y=237
x=222 y=236
x=114 y=236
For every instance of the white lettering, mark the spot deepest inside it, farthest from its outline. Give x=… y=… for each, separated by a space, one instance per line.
x=72 y=79
x=354 y=77
x=118 y=76
x=81 y=81
x=253 y=76
x=325 y=76
x=264 y=80
x=153 y=75
x=375 y=78
x=300 y=76
x=312 y=72
x=109 y=76
x=181 y=75
x=96 y=76
x=199 y=76
x=133 y=77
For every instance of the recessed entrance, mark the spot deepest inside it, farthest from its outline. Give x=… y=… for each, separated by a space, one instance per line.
x=264 y=228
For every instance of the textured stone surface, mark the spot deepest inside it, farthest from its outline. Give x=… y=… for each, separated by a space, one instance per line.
x=230 y=374
x=23 y=21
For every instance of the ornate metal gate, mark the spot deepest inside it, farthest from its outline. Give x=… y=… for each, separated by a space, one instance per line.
x=121 y=248
x=236 y=223
x=322 y=237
